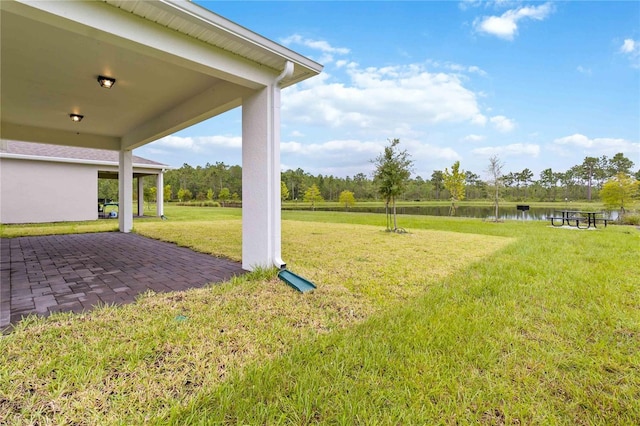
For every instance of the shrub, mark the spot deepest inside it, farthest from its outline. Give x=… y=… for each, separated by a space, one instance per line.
x=199 y=204
x=631 y=219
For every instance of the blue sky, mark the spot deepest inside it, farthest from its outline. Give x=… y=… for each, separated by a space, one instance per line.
x=540 y=84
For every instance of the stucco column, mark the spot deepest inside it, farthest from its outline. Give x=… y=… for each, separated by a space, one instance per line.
x=261 y=239
x=125 y=191
x=160 y=194
x=140 y=196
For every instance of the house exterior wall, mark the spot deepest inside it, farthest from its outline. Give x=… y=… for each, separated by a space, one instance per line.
x=41 y=191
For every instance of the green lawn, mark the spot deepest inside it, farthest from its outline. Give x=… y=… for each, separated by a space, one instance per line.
x=458 y=322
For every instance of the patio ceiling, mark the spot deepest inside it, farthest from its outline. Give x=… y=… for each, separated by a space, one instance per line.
x=175 y=64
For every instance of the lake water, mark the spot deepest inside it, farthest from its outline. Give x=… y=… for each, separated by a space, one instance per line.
x=505 y=213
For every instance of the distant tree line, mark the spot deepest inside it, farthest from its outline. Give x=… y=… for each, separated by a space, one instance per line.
x=223 y=183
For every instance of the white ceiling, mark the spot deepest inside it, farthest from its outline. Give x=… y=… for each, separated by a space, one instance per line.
x=50 y=63
x=48 y=73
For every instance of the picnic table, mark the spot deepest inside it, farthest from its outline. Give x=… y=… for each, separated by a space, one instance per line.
x=578 y=219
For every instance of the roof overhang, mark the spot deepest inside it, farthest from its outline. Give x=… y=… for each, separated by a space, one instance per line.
x=156 y=168
x=175 y=63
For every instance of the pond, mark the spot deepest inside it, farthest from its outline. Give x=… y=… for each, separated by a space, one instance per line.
x=505 y=213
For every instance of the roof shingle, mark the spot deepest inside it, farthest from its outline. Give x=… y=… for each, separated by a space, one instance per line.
x=61 y=151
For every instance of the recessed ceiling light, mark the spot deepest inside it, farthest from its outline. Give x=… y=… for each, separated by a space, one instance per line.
x=106 y=82
x=76 y=117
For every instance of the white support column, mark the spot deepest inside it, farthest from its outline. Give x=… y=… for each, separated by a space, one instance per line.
x=160 y=194
x=125 y=193
x=140 y=196
x=261 y=228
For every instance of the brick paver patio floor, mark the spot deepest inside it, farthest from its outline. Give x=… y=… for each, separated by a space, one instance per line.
x=41 y=275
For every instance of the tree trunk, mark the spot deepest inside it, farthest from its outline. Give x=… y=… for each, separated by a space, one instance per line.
x=386 y=214
x=395 y=220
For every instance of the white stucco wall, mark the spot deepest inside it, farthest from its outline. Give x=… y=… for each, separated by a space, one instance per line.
x=41 y=191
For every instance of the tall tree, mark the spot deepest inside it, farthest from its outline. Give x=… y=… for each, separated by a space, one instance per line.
x=525 y=177
x=393 y=168
x=620 y=164
x=547 y=181
x=312 y=195
x=589 y=168
x=108 y=189
x=454 y=182
x=495 y=180
x=437 y=180
x=474 y=186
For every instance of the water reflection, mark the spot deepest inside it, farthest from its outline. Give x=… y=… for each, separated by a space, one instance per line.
x=483 y=212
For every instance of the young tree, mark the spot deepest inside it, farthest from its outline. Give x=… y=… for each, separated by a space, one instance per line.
x=495 y=179
x=454 y=182
x=347 y=198
x=210 y=194
x=393 y=168
x=184 y=194
x=224 y=195
x=619 y=190
x=284 y=191
x=312 y=195
x=150 y=195
x=167 y=193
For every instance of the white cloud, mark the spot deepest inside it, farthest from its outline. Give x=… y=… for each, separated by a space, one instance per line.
x=381 y=99
x=506 y=25
x=457 y=68
x=600 y=146
x=198 y=143
x=473 y=138
x=584 y=70
x=323 y=46
x=334 y=146
x=178 y=142
x=351 y=156
x=631 y=48
x=466 y=4
x=516 y=149
x=497 y=4
x=502 y=123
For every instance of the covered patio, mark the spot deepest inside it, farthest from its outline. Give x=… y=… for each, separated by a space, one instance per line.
x=47 y=274
x=168 y=65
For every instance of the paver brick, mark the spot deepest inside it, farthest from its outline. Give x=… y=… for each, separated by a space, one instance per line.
x=76 y=272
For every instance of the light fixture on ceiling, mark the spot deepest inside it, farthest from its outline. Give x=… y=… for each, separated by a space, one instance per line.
x=106 y=82
x=76 y=117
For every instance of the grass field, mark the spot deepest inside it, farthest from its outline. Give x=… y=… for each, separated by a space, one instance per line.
x=458 y=322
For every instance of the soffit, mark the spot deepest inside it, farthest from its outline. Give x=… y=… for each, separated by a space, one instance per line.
x=48 y=73
x=204 y=25
x=175 y=63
